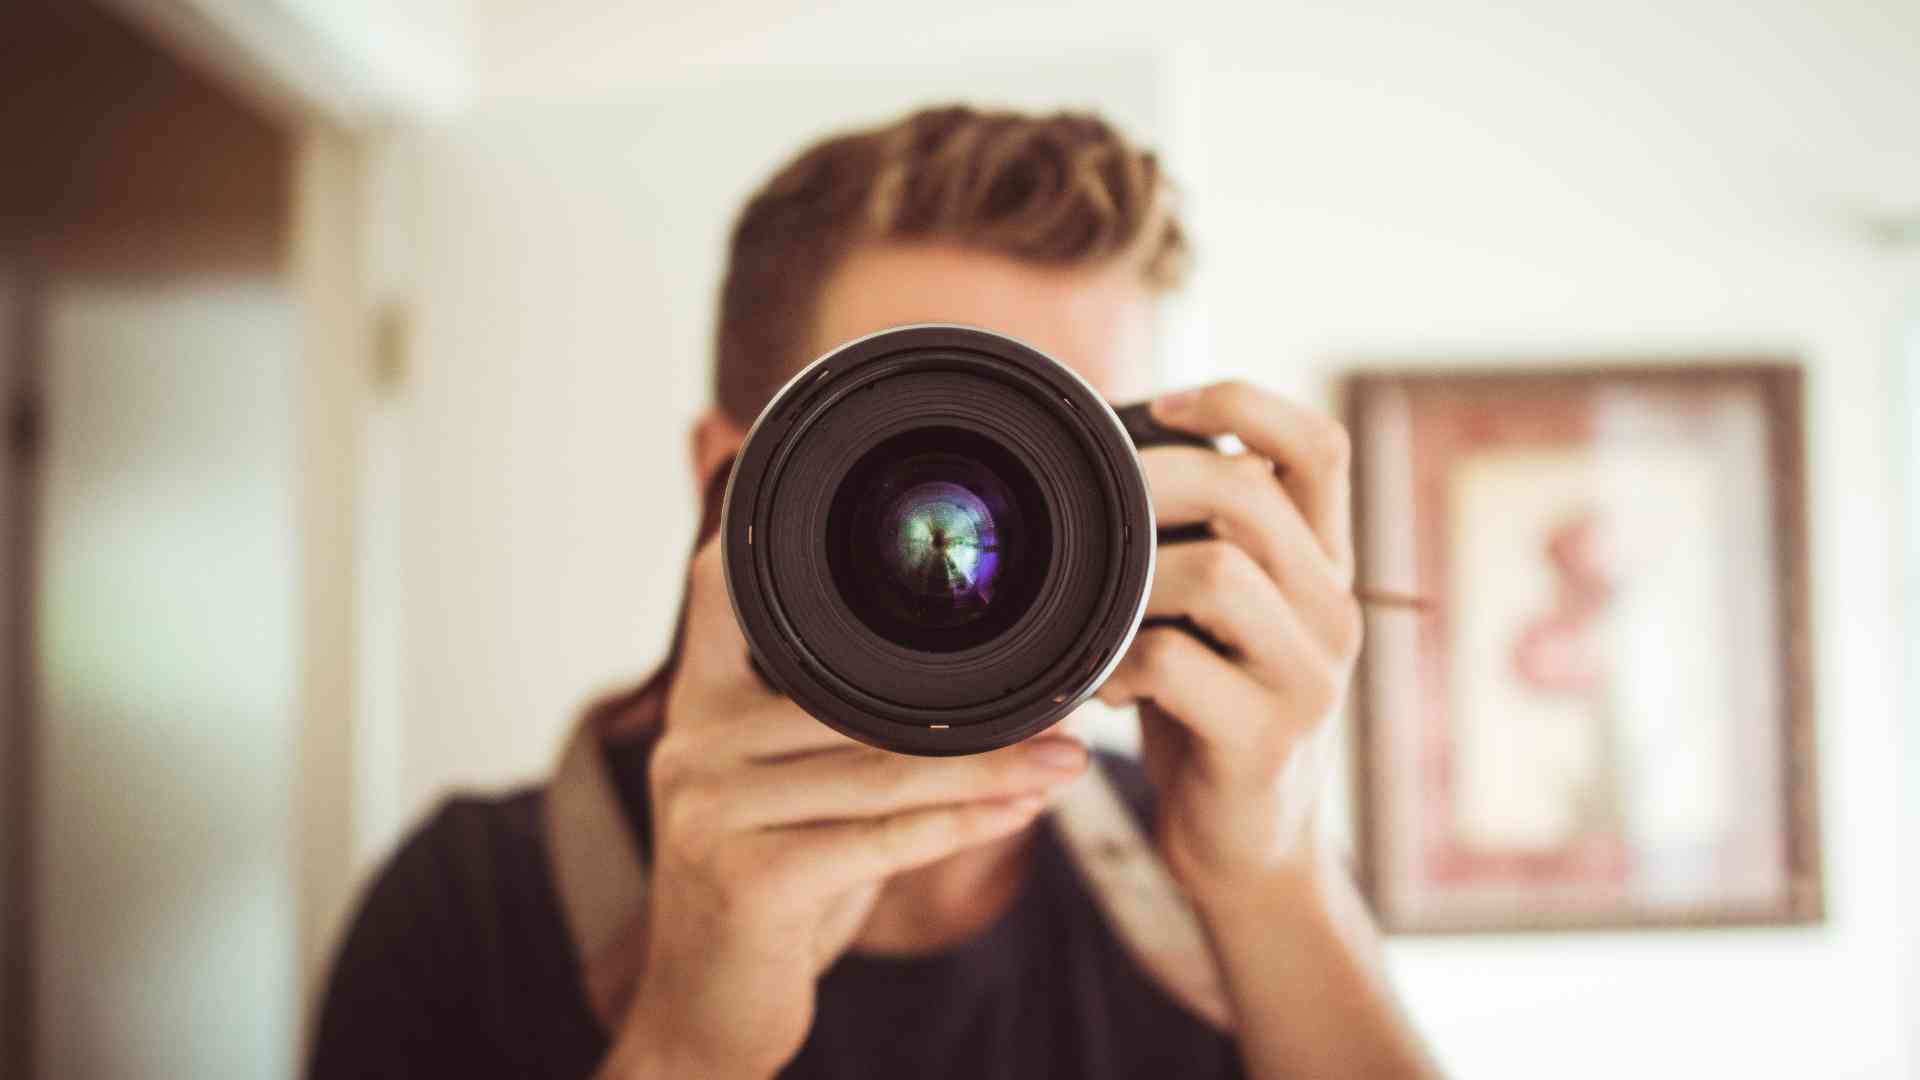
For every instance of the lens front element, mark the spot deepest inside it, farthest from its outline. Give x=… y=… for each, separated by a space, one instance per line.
x=936 y=539
x=945 y=552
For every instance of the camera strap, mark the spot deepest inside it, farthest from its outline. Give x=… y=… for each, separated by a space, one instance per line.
x=601 y=880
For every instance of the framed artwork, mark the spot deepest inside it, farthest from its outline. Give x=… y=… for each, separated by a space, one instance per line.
x=1603 y=717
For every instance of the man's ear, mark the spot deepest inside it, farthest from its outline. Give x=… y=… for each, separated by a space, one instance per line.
x=715 y=439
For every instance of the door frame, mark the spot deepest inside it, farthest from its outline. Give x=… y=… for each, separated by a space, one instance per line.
x=21 y=324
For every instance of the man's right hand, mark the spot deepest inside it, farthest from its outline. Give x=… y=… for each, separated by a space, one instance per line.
x=772 y=836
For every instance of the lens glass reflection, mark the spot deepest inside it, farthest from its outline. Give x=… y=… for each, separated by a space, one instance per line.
x=934 y=541
x=945 y=547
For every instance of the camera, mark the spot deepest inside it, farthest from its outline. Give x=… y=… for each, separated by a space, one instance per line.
x=938 y=540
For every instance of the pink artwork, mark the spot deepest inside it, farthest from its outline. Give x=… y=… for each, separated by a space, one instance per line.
x=1562 y=651
x=1603 y=720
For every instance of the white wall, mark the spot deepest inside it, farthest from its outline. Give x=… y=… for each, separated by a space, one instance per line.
x=166 y=907
x=1906 y=446
x=1601 y=185
x=1418 y=184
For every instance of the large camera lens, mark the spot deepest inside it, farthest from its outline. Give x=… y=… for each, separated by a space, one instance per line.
x=937 y=540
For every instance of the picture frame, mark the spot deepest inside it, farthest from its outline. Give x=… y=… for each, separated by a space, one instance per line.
x=1604 y=715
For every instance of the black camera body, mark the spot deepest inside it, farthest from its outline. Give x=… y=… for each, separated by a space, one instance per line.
x=938 y=540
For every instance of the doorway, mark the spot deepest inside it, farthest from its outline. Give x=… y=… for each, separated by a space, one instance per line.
x=147 y=351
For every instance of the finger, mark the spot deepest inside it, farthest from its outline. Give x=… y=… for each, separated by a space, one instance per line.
x=1235 y=720
x=1237 y=495
x=853 y=853
x=1219 y=586
x=761 y=727
x=1312 y=449
x=713 y=652
x=868 y=783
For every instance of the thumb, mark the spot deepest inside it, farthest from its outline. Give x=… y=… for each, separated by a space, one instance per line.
x=712 y=648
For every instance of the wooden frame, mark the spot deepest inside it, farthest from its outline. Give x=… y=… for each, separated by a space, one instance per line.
x=1433 y=857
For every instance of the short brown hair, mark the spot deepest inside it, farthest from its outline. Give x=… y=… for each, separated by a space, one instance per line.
x=1064 y=189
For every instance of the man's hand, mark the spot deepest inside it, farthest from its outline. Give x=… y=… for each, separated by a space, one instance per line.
x=1239 y=745
x=772 y=837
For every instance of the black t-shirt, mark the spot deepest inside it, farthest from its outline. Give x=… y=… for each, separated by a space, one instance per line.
x=459 y=964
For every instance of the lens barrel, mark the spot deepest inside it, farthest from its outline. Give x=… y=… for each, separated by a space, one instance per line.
x=937 y=540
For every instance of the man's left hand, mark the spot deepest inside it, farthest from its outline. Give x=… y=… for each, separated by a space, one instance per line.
x=1240 y=745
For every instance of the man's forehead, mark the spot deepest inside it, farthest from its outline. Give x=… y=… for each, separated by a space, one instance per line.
x=1098 y=321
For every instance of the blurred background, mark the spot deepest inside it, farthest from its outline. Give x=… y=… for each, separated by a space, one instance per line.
x=349 y=348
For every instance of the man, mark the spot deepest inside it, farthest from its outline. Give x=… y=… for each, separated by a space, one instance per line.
x=818 y=908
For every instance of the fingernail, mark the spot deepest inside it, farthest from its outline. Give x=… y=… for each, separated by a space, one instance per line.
x=1167 y=406
x=1057 y=753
